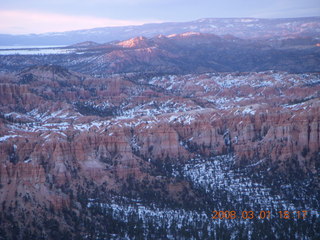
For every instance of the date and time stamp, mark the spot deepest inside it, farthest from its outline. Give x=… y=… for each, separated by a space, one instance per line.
x=259 y=215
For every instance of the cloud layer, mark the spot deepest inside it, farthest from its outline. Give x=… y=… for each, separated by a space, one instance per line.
x=22 y=22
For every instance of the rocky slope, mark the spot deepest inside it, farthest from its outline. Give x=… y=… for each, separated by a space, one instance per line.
x=71 y=144
x=189 y=52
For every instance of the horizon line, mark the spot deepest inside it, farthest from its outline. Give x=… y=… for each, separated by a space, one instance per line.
x=156 y=23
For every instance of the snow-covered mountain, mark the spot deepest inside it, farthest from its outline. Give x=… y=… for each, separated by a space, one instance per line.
x=192 y=134
x=189 y=52
x=138 y=156
x=239 y=27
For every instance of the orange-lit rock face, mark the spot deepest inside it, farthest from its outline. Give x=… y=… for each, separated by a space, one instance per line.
x=22 y=173
x=138 y=42
x=107 y=130
x=164 y=129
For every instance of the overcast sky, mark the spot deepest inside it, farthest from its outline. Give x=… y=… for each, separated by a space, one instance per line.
x=39 y=16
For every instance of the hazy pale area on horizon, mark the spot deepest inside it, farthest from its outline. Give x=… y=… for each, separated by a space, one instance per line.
x=40 y=16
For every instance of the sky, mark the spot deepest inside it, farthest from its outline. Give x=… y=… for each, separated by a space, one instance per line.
x=41 y=16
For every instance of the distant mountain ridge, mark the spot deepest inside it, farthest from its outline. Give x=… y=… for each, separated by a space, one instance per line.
x=238 y=27
x=189 y=52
